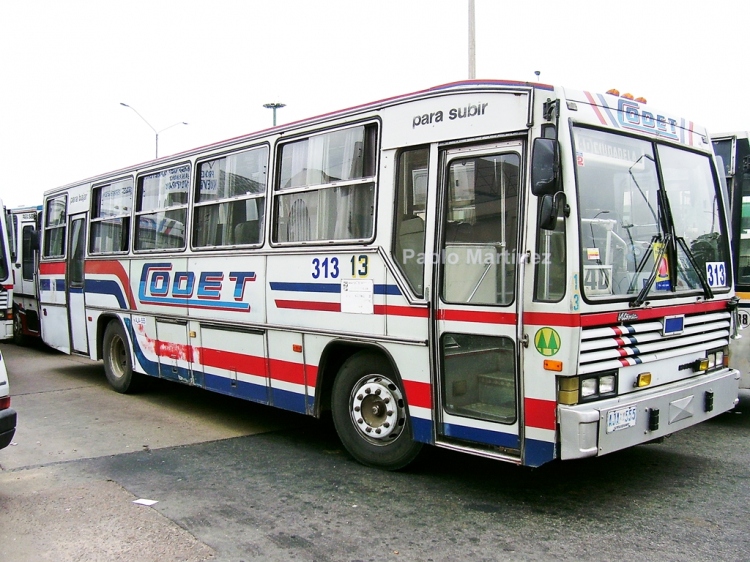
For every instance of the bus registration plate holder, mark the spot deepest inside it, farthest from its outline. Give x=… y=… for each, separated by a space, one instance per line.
x=622 y=418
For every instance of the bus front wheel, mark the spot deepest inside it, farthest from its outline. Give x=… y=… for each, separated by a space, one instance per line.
x=118 y=365
x=370 y=415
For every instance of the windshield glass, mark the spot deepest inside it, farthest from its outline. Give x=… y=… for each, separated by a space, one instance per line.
x=625 y=226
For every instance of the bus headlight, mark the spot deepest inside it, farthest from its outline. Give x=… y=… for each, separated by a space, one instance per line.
x=607 y=384
x=589 y=387
x=594 y=387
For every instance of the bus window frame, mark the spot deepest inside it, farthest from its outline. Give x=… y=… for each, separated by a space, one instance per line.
x=137 y=212
x=276 y=192
x=194 y=204
x=93 y=218
x=62 y=225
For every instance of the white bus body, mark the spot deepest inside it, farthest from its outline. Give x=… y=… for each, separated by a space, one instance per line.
x=6 y=277
x=733 y=153
x=389 y=263
x=24 y=223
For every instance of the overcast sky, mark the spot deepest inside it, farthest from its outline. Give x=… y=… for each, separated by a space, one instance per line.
x=65 y=67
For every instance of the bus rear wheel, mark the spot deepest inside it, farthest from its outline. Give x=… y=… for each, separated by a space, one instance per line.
x=118 y=366
x=370 y=415
x=18 y=336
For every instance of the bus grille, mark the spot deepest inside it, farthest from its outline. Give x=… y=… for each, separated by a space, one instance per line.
x=3 y=300
x=622 y=345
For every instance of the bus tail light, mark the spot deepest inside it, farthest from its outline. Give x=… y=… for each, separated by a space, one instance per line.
x=4 y=402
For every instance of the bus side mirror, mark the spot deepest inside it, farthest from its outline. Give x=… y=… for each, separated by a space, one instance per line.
x=549 y=210
x=545 y=167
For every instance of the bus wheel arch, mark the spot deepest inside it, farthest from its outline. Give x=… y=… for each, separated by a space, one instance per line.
x=370 y=412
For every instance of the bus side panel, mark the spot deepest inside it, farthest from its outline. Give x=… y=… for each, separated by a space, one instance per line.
x=413 y=365
x=233 y=362
x=53 y=304
x=402 y=319
x=145 y=357
x=287 y=371
x=224 y=287
x=337 y=291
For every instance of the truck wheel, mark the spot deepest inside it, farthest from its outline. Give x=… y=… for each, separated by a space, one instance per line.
x=118 y=365
x=369 y=412
x=18 y=337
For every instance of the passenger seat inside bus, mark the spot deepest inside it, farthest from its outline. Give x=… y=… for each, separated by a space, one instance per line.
x=247 y=232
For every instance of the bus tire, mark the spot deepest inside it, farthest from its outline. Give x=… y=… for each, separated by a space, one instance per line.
x=370 y=415
x=118 y=364
x=18 y=336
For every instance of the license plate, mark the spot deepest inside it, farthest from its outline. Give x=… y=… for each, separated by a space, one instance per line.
x=621 y=419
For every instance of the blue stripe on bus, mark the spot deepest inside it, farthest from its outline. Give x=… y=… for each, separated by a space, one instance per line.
x=242 y=389
x=482 y=435
x=257 y=393
x=46 y=284
x=288 y=400
x=102 y=287
x=77 y=290
x=379 y=289
x=422 y=430
x=536 y=453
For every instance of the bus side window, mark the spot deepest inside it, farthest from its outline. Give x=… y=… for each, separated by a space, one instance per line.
x=411 y=203
x=161 y=209
x=230 y=200
x=54 y=227
x=110 y=217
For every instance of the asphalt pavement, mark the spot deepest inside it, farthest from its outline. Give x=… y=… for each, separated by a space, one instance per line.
x=240 y=482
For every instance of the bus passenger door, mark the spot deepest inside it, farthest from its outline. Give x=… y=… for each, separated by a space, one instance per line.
x=475 y=336
x=75 y=284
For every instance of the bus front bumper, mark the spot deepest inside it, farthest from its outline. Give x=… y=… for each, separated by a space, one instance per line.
x=598 y=428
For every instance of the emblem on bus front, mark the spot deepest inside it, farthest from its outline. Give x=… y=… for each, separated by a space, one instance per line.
x=627 y=316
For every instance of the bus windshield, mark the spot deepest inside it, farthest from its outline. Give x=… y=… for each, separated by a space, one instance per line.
x=642 y=205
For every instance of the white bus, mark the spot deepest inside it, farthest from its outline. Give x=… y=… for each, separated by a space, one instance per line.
x=24 y=226
x=6 y=277
x=513 y=270
x=733 y=154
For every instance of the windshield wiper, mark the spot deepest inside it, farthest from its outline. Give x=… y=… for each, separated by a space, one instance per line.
x=707 y=292
x=641 y=298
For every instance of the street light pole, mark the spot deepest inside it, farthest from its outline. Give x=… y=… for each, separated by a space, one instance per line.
x=274 y=106
x=151 y=127
x=472 y=43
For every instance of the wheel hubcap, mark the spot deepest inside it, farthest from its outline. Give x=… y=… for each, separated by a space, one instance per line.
x=377 y=409
x=118 y=360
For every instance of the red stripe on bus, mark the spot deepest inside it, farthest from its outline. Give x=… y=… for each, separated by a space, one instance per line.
x=477 y=316
x=309 y=305
x=287 y=371
x=552 y=319
x=540 y=413
x=336 y=307
x=231 y=361
x=418 y=394
x=311 y=374
x=595 y=108
x=602 y=318
x=391 y=310
x=112 y=268
x=57 y=268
